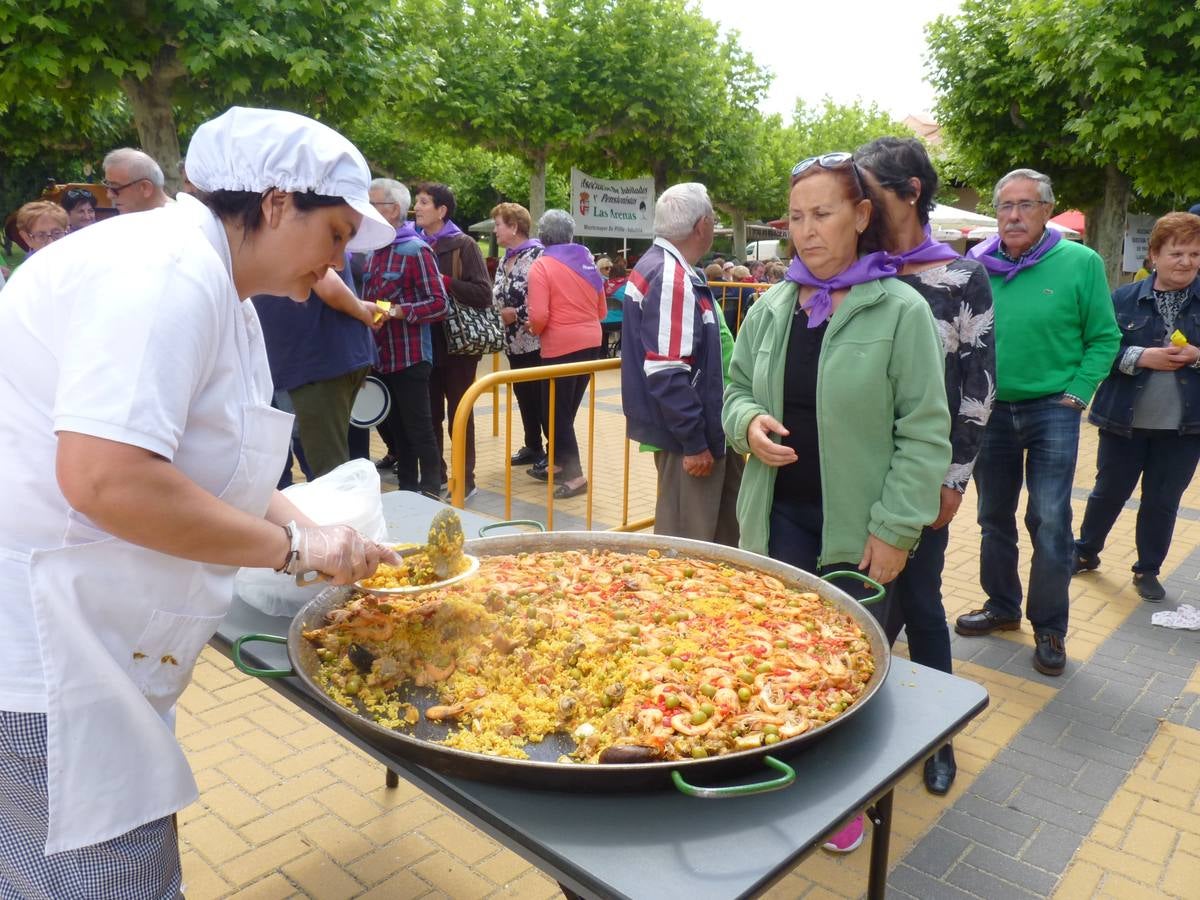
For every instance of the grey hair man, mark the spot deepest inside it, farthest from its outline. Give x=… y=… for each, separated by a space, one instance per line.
x=134 y=181
x=672 y=373
x=405 y=274
x=1056 y=341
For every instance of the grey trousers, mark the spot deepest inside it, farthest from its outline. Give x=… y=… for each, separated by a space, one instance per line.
x=703 y=509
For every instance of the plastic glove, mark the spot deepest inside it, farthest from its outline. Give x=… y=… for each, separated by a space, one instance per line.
x=340 y=553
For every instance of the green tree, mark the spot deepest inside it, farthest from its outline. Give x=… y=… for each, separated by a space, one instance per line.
x=544 y=83
x=175 y=62
x=1102 y=96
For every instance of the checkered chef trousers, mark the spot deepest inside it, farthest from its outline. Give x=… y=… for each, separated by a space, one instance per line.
x=142 y=864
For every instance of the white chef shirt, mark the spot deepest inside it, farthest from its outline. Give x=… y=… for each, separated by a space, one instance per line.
x=125 y=330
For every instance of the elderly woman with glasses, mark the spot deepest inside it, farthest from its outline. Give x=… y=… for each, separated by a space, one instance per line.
x=824 y=490
x=41 y=223
x=140 y=454
x=80 y=204
x=566 y=304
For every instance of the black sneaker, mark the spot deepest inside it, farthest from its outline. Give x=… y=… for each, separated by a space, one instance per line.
x=387 y=462
x=1084 y=563
x=1050 y=655
x=1148 y=586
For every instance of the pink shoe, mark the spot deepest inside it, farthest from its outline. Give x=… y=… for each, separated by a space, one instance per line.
x=848 y=839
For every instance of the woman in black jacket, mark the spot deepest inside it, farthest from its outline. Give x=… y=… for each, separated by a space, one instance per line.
x=1148 y=409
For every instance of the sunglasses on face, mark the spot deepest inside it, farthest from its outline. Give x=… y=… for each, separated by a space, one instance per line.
x=115 y=189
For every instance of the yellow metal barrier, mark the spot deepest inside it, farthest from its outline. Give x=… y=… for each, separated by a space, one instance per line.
x=714 y=286
x=492 y=382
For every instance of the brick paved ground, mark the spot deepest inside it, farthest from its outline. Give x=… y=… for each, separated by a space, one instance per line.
x=1082 y=786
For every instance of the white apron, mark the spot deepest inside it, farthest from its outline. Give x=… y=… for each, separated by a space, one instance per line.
x=121 y=627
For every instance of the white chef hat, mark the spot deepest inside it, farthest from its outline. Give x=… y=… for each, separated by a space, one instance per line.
x=247 y=149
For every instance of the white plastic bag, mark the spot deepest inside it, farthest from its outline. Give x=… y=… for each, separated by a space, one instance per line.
x=349 y=495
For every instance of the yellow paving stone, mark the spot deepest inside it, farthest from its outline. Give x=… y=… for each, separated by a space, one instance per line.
x=1184 y=777
x=1120 y=810
x=1150 y=839
x=316 y=755
x=1181 y=820
x=194 y=700
x=206 y=735
x=249 y=773
x=1079 y=882
x=1118 y=887
x=312 y=734
x=214 y=840
x=238 y=687
x=348 y=804
x=266 y=857
x=401 y=886
x=273 y=887
x=232 y=804
x=531 y=886
x=1182 y=876
x=1189 y=842
x=402 y=819
x=209 y=676
x=1108 y=835
x=399 y=854
x=275 y=723
x=281 y=821
x=997 y=728
x=200 y=880
x=388 y=797
x=459 y=838
x=1128 y=866
x=320 y=876
x=289 y=790
x=502 y=867
x=1161 y=792
x=335 y=838
x=446 y=873
x=223 y=711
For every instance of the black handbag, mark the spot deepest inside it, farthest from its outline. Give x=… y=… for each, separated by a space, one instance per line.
x=471 y=331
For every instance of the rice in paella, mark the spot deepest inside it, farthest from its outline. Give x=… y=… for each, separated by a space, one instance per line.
x=636 y=656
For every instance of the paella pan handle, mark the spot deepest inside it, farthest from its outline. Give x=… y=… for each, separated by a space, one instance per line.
x=738 y=790
x=251 y=670
x=509 y=523
x=880 y=590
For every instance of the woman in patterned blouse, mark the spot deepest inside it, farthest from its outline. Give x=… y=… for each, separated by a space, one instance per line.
x=960 y=296
x=513 y=224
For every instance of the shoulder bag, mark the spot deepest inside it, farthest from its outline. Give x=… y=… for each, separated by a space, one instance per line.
x=471 y=331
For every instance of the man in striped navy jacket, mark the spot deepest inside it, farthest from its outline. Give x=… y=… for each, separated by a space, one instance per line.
x=672 y=373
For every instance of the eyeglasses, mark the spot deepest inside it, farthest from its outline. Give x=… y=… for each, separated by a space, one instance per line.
x=835 y=160
x=384 y=203
x=48 y=235
x=115 y=189
x=1024 y=207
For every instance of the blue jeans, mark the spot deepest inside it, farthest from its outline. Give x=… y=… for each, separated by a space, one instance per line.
x=1166 y=462
x=1034 y=442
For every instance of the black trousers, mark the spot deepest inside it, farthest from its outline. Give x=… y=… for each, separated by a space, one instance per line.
x=916 y=603
x=448 y=381
x=410 y=427
x=1166 y=462
x=568 y=394
x=529 y=399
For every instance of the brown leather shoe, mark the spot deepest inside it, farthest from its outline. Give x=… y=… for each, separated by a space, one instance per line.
x=982 y=621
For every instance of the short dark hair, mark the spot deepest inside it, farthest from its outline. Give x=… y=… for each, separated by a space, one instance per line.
x=72 y=197
x=856 y=190
x=893 y=161
x=245 y=207
x=440 y=194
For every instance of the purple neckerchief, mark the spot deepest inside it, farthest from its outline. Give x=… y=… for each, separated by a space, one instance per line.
x=820 y=305
x=527 y=244
x=997 y=266
x=928 y=250
x=406 y=232
x=578 y=259
x=448 y=229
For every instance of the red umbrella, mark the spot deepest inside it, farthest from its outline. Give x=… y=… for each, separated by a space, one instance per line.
x=1072 y=219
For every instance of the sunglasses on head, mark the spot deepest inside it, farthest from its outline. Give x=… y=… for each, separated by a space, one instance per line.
x=80 y=194
x=836 y=160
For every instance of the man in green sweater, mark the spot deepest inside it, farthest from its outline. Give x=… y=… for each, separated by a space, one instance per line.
x=1056 y=338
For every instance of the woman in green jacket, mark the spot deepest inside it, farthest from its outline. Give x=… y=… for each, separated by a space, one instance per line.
x=837 y=390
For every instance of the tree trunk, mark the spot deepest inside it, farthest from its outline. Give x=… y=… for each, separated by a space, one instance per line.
x=1106 y=223
x=660 y=177
x=537 y=187
x=154 y=118
x=739 y=234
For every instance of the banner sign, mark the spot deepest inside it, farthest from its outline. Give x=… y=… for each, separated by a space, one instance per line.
x=1137 y=241
x=604 y=207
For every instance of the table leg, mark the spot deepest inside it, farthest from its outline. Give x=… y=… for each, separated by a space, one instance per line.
x=391 y=779
x=881 y=834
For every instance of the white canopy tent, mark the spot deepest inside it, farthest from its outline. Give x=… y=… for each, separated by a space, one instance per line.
x=947 y=217
x=983 y=233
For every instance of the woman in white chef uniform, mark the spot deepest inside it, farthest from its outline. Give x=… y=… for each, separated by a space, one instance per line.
x=139 y=456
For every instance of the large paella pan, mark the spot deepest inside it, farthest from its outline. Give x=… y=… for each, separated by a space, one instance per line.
x=547 y=765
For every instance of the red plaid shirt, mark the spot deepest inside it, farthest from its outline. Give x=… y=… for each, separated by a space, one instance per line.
x=412 y=282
